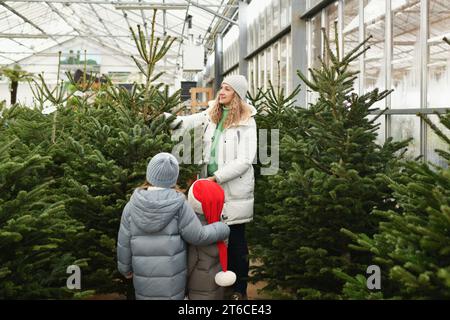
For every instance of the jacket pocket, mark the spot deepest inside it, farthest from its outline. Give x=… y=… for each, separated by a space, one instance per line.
x=241 y=187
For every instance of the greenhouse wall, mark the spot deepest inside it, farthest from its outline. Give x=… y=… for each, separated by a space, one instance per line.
x=407 y=55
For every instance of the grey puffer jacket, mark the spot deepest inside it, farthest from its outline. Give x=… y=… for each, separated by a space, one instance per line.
x=203 y=265
x=154 y=229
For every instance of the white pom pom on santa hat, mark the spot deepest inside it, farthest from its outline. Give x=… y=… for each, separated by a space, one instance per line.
x=225 y=279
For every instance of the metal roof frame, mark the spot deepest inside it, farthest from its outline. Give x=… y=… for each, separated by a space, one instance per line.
x=38 y=25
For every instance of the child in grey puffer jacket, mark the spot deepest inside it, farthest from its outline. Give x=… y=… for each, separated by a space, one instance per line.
x=155 y=226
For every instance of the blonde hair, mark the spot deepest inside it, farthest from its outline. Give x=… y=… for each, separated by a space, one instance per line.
x=147 y=185
x=238 y=111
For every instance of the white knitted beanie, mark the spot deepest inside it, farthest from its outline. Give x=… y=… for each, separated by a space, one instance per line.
x=238 y=83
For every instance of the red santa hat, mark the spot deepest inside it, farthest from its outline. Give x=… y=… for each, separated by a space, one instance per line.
x=207 y=197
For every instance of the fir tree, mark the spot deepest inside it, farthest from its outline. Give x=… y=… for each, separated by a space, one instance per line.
x=15 y=75
x=412 y=245
x=68 y=175
x=329 y=179
x=275 y=112
x=36 y=231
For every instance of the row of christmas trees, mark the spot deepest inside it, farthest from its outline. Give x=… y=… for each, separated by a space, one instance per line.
x=341 y=203
x=66 y=173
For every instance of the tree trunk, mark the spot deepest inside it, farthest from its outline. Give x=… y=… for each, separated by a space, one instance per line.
x=14 y=86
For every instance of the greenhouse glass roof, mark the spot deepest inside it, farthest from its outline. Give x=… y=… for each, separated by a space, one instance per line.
x=29 y=27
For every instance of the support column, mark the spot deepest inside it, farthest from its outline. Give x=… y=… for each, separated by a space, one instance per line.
x=424 y=34
x=243 y=63
x=299 y=49
x=218 y=63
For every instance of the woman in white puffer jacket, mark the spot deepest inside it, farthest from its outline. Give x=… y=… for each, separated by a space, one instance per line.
x=229 y=150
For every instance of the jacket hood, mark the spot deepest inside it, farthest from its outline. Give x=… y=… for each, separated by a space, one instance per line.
x=153 y=209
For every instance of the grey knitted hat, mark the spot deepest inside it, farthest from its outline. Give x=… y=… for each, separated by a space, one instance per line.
x=238 y=83
x=162 y=170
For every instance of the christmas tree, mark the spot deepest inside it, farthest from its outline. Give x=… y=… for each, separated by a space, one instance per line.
x=412 y=245
x=36 y=230
x=328 y=180
x=68 y=173
x=15 y=75
x=277 y=116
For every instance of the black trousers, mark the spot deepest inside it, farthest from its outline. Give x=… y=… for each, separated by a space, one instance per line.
x=238 y=257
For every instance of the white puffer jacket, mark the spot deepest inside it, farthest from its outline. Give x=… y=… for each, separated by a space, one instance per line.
x=236 y=153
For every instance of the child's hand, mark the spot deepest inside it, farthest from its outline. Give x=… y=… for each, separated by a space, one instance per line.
x=129 y=275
